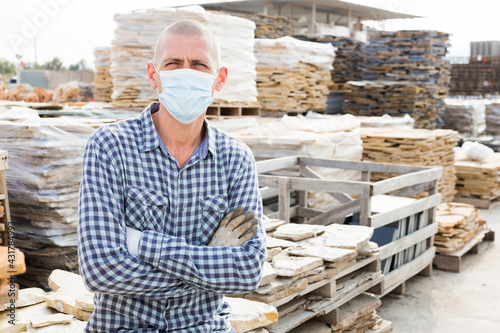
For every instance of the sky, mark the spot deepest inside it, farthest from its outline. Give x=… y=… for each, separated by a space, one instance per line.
x=71 y=29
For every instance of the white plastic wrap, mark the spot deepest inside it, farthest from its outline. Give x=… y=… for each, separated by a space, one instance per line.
x=136 y=35
x=465 y=116
x=287 y=52
x=474 y=151
x=314 y=135
x=45 y=163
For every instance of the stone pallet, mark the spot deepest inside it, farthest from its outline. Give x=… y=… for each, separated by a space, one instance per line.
x=300 y=89
x=478 y=183
x=414 y=55
x=395 y=98
x=103 y=82
x=467 y=117
x=133 y=47
x=329 y=298
x=459 y=260
x=348 y=63
x=493 y=119
x=271 y=26
x=43 y=181
x=293 y=75
x=413 y=147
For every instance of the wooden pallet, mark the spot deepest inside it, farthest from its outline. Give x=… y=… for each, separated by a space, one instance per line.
x=330 y=299
x=458 y=260
x=228 y=110
x=479 y=203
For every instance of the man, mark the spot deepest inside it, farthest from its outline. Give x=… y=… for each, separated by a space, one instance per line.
x=162 y=229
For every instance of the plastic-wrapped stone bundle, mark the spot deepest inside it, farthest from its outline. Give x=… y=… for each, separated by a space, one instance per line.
x=45 y=157
x=133 y=48
x=465 y=116
x=313 y=135
x=293 y=75
x=493 y=118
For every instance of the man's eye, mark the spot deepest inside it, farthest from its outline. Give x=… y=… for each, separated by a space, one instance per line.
x=199 y=64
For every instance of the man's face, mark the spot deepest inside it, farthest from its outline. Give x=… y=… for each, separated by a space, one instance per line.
x=181 y=51
x=194 y=52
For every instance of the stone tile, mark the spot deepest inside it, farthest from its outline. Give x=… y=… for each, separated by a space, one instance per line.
x=27 y=297
x=347 y=236
x=268 y=274
x=291 y=266
x=48 y=320
x=328 y=254
x=247 y=315
x=64 y=302
x=298 y=232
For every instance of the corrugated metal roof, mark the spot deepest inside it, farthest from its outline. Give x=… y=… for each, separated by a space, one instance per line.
x=335 y=7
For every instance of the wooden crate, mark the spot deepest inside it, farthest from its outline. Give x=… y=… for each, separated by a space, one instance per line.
x=292 y=315
x=457 y=261
x=4 y=200
x=295 y=174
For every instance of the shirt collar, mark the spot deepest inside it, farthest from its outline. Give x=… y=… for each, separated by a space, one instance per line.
x=151 y=139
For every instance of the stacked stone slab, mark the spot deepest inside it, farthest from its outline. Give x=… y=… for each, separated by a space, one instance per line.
x=413 y=147
x=271 y=26
x=136 y=35
x=103 y=85
x=45 y=157
x=413 y=59
x=293 y=75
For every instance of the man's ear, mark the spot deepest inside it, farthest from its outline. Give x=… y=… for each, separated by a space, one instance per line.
x=221 y=79
x=151 y=76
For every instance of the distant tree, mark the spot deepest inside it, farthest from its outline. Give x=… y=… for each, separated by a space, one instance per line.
x=33 y=65
x=54 y=64
x=7 y=67
x=79 y=66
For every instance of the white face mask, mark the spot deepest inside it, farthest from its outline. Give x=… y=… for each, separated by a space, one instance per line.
x=186 y=93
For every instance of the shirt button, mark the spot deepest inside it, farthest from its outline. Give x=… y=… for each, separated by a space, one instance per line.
x=221 y=206
x=181 y=210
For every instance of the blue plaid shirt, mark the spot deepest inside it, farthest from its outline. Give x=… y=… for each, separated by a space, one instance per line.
x=176 y=282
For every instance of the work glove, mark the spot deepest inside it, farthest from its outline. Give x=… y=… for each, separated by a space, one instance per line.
x=235 y=228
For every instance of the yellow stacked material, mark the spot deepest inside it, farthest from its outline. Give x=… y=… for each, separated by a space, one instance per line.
x=395 y=98
x=413 y=147
x=479 y=179
x=457 y=224
x=271 y=26
x=133 y=48
x=293 y=75
x=103 y=86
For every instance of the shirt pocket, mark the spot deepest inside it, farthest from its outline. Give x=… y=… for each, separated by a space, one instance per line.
x=146 y=209
x=213 y=211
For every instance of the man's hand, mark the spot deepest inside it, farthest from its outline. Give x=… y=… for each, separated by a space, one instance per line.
x=235 y=229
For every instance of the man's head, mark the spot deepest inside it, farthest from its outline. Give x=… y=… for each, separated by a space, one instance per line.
x=187 y=44
x=189 y=28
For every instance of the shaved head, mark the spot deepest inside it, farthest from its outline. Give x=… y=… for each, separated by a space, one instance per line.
x=188 y=28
